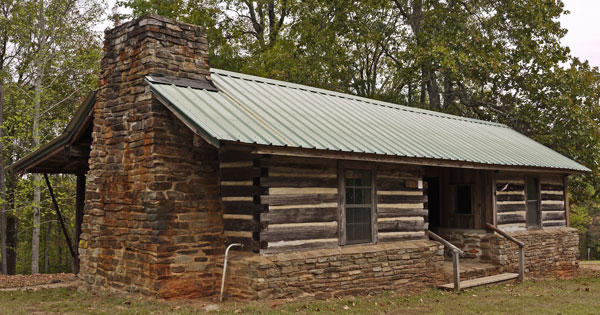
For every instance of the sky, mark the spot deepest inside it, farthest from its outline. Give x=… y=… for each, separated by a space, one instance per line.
x=583 y=25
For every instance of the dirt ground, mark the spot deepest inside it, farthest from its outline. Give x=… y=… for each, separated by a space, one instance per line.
x=19 y=282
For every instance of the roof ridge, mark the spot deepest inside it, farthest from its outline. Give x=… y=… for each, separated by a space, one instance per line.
x=354 y=97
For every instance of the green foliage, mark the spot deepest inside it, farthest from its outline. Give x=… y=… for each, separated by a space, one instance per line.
x=51 y=66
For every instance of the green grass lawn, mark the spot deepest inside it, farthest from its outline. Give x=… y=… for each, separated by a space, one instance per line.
x=578 y=296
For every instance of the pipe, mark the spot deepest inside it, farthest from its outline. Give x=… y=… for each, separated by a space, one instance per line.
x=225 y=268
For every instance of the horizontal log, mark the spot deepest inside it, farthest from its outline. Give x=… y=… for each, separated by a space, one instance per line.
x=280 y=200
x=239 y=173
x=400 y=236
x=241 y=191
x=552 y=187
x=301 y=191
x=273 y=234
x=299 y=182
x=283 y=246
x=511 y=218
x=520 y=197
x=398 y=199
x=553 y=215
x=383 y=199
x=236 y=156
x=397 y=212
x=391 y=184
x=553 y=223
x=300 y=163
x=395 y=173
x=300 y=215
x=510 y=207
x=510 y=187
x=552 y=197
x=241 y=207
x=240 y=225
x=552 y=207
x=401 y=226
x=300 y=172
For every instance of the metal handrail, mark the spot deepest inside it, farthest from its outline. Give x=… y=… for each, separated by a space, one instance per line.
x=521 y=249
x=456 y=252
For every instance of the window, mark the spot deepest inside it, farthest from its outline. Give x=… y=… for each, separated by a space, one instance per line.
x=463 y=199
x=533 y=202
x=358 y=189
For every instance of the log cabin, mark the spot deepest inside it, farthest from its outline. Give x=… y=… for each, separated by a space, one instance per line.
x=329 y=194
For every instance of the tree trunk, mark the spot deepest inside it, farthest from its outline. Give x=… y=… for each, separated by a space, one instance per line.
x=11 y=245
x=46 y=243
x=35 y=237
x=39 y=80
x=433 y=90
x=3 y=252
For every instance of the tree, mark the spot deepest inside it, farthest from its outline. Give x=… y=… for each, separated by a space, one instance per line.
x=55 y=68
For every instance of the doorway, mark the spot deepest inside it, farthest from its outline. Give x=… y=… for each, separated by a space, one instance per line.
x=433 y=202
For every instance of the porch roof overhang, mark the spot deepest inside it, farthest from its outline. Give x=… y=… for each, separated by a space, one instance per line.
x=67 y=153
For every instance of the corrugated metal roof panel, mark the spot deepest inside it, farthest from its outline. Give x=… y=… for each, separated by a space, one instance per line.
x=251 y=109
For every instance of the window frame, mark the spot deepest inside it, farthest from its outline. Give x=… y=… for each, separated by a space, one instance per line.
x=342 y=168
x=539 y=203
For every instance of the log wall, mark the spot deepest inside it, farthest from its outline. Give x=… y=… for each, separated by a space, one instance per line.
x=511 y=207
x=301 y=203
x=553 y=202
x=401 y=214
x=240 y=192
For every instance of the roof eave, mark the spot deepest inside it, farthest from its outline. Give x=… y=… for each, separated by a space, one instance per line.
x=372 y=157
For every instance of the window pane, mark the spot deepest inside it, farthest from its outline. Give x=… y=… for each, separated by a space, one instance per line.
x=358 y=206
x=358 y=225
x=349 y=195
x=533 y=211
x=463 y=199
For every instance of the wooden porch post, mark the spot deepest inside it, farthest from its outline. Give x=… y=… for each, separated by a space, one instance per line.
x=79 y=204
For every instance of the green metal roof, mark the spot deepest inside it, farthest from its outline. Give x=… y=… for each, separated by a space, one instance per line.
x=255 y=110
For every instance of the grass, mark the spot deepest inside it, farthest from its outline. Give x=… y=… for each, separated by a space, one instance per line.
x=577 y=296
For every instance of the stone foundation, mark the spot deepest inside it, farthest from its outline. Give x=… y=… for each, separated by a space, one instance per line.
x=467 y=241
x=549 y=253
x=351 y=270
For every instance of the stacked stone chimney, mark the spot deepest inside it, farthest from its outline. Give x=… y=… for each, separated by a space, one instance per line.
x=152 y=220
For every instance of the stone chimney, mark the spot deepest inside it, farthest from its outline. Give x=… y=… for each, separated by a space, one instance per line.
x=152 y=219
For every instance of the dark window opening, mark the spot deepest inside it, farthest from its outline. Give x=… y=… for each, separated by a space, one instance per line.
x=359 y=206
x=463 y=199
x=533 y=202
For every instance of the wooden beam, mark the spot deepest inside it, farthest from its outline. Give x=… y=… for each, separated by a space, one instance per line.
x=79 y=205
x=60 y=217
x=73 y=151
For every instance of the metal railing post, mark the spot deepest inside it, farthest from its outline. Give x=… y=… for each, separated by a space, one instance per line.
x=456 y=270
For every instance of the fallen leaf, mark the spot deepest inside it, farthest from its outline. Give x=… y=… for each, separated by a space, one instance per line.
x=346 y=307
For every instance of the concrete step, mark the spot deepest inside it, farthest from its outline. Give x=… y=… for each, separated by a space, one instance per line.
x=481 y=281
